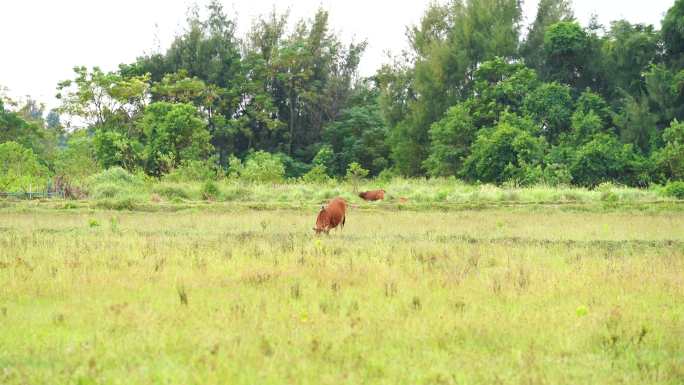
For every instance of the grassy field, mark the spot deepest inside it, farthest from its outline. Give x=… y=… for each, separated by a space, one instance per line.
x=516 y=295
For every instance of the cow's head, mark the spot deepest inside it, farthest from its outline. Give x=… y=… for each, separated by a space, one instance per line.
x=322 y=222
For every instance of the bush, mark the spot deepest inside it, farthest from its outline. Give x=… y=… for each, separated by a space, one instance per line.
x=171 y=191
x=355 y=173
x=605 y=159
x=508 y=151
x=108 y=190
x=675 y=189
x=210 y=191
x=114 y=182
x=117 y=176
x=670 y=158
x=20 y=169
x=77 y=160
x=125 y=203
x=387 y=175
x=258 y=167
x=193 y=170
x=293 y=167
x=316 y=175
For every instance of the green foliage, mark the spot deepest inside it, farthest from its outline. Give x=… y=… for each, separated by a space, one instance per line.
x=469 y=98
x=317 y=175
x=261 y=166
x=77 y=160
x=451 y=139
x=114 y=182
x=449 y=43
x=210 y=190
x=355 y=173
x=637 y=125
x=670 y=159
x=675 y=189
x=358 y=136
x=508 y=151
x=173 y=133
x=628 y=50
x=673 y=33
x=194 y=170
x=549 y=12
x=171 y=191
x=584 y=126
x=566 y=47
x=605 y=159
x=550 y=105
x=115 y=175
x=20 y=169
x=293 y=168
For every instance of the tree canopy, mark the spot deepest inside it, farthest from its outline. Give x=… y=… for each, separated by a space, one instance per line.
x=477 y=95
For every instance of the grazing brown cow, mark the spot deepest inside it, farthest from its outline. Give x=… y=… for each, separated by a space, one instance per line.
x=375 y=195
x=331 y=216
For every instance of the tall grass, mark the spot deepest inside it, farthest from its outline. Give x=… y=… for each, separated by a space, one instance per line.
x=475 y=297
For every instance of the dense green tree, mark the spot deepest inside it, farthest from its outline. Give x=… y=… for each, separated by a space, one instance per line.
x=673 y=33
x=172 y=133
x=605 y=159
x=566 y=49
x=550 y=105
x=500 y=86
x=670 y=159
x=359 y=135
x=451 y=139
x=549 y=12
x=449 y=44
x=20 y=169
x=76 y=160
x=505 y=152
x=628 y=50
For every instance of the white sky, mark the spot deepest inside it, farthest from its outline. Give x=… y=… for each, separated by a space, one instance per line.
x=42 y=40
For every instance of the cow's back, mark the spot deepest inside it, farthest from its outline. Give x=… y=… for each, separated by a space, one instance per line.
x=336 y=210
x=374 y=195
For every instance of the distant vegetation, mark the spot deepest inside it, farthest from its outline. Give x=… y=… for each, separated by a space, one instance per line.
x=475 y=97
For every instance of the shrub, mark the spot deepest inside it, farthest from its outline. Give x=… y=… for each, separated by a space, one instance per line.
x=508 y=151
x=605 y=159
x=259 y=167
x=670 y=158
x=355 y=173
x=116 y=175
x=316 y=175
x=125 y=203
x=193 y=170
x=171 y=191
x=675 y=189
x=114 y=182
x=20 y=169
x=210 y=191
x=77 y=160
x=108 y=190
x=293 y=167
x=387 y=175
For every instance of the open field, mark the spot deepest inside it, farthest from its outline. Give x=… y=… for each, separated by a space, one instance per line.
x=500 y=295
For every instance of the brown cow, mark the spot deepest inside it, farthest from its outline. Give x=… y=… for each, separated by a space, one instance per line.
x=375 y=195
x=331 y=216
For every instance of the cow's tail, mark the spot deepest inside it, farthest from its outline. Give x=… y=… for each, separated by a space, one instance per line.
x=344 y=219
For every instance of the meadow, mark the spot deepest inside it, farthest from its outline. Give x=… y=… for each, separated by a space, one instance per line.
x=220 y=293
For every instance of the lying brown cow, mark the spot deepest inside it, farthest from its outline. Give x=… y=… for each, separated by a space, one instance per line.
x=331 y=216
x=375 y=195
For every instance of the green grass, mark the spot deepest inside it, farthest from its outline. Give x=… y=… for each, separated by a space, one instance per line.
x=203 y=296
x=112 y=188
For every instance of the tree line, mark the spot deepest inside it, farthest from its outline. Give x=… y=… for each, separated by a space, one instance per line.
x=478 y=95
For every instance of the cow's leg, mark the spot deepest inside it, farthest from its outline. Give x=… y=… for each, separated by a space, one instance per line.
x=344 y=219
